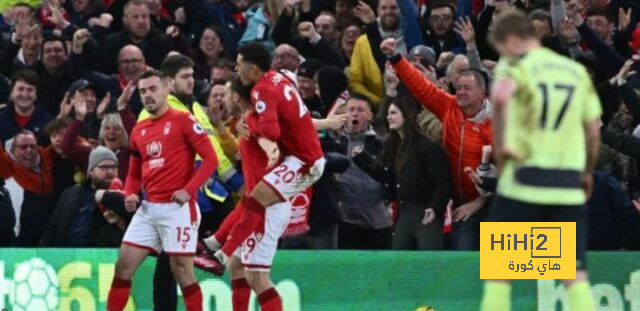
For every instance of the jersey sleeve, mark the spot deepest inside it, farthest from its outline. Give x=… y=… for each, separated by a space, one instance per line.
x=134 y=174
x=199 y=141
x=265 y=104
x=592 y=109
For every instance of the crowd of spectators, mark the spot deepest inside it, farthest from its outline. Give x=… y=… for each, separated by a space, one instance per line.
x=403 y=137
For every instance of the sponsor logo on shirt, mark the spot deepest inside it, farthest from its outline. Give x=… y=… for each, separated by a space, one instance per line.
x=167 y=128
x=154 y=150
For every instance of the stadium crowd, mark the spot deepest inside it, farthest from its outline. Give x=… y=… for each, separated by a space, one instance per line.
x=404 y=137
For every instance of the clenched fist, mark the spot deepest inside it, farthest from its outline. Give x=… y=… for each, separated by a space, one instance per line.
x=388 y=47
x=307 y=30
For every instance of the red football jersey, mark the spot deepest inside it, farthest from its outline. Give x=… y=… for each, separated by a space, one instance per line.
x=279 y=114
x=163 y=153
x=254 y=162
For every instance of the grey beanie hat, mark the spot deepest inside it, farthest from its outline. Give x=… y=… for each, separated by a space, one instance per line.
x=98 y=155
x=424 y=51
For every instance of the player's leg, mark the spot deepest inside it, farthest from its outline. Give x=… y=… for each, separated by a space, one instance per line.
x=215 y=241
x=268 y=296
x=258 y=252
x=579 y=289
x=240 y=289
x=140 y=238
x=182 y=268
x=497 y=293
x=280 y=184
x=261 y=197
x=178 y=229
x=496 y=296
x=129 y=260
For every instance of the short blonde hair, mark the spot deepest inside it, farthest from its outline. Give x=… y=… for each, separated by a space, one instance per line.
x=112 y=119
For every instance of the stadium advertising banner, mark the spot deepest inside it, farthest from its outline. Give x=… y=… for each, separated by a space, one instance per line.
x=79 y=279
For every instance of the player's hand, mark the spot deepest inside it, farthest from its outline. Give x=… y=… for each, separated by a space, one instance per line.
x=465 y=211
x=271 y=149
x=336 y=121
x=429 y=216
x=388 y=47
x=181 y=196
x=131 y=203
x=243 y=129
x=587 y=184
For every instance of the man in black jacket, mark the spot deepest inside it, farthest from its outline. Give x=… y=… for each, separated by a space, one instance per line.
x=137 y=31
x=23 y=112
x=52 y=70
x=363 y=221
x=79 y=220
x=7 y=217
x=130 y=61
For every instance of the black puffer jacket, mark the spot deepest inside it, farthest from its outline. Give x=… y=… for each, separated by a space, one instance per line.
x=423 y=182
x=101 y=233
x=7 y=217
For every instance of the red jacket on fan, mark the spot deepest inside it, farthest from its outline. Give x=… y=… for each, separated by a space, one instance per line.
x=462 y=136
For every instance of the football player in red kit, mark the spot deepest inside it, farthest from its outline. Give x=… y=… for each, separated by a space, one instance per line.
x=163 y=149
x=279 y=124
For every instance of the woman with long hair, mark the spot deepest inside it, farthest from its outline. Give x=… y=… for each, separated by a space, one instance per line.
x=414 y=172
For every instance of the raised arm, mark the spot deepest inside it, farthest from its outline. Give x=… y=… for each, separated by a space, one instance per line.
x=427 y=93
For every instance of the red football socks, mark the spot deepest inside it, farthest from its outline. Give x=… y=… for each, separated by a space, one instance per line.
x=192 y=297
x=270 y=300
x=118 y=294
x=253 y=214
x=225 y=228
x=240 y=294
